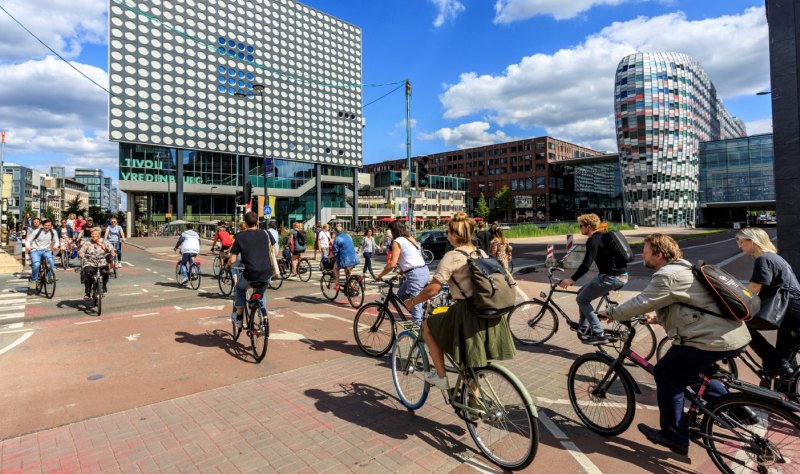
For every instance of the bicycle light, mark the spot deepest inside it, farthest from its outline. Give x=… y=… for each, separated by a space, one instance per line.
x=543 y=294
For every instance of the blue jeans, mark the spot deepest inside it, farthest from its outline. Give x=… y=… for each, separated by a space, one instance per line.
x=679 y=368
x=414 y=283
x=118 y=248
x=36 y=261
x=599 y=286
x=368 y=264
x=240 y=291
x=186 y=260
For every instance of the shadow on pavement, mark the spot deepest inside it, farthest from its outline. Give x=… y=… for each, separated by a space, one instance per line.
x=548 y=349
x=371 y=407
x=339 y=346
x=81 y=305
x=307 y=299
x=220 y=339
x=169 y=284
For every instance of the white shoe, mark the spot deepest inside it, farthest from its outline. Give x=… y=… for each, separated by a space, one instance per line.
x=235 y=320
x=432 y=378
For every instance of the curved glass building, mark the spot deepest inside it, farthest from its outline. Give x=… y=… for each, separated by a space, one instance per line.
x=665 y=105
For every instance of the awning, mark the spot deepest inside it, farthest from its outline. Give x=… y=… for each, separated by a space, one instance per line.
x=386 y=219
x=416 y=219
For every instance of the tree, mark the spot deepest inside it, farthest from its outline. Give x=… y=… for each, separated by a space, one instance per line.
x=504 y=201
x=97 y=215
x=49 y=213
x=482 y=210
x=74 y=206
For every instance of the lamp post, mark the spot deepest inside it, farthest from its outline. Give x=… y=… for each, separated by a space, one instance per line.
x=212 y=200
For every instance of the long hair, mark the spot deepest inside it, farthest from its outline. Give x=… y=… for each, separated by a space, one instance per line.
x=462 y=226
x=499 y=233
x=398 y=229
x=759 y=237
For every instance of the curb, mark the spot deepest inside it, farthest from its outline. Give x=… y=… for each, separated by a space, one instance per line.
x=136 y=246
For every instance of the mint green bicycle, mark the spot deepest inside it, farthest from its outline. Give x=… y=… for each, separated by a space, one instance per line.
x=499 y=412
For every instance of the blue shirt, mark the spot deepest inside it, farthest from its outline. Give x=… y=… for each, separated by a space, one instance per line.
x=344 y=251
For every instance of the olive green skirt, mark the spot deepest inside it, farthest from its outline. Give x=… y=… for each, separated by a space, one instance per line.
x=468 y=338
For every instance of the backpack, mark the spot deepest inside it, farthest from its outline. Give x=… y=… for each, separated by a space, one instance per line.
x=734 y=300
x=615 y=243
x=301 y=238
x=494 y=289
x=39 y=232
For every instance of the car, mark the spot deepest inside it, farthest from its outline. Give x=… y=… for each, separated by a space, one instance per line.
x=435 y=241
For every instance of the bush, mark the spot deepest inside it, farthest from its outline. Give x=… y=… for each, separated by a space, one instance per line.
x=531 y=230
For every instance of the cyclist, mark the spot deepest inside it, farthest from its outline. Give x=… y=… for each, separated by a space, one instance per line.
x=87 y=230
x=344 y=254
x=77 y=228
x=189 y=244
x=611 y=277
x=41 y=243
x=224 y=238
x=115 y=236
x=297 y=244
x=251 y=246
x=93 y=252
x=405 y=254
x=699 y=340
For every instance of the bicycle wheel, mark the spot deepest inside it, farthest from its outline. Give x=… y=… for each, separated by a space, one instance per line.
x=194 y=276
x=759 y=436
x=409 y=364
x=259 y=330
x=354 y=288
x=304 y=269
x=286 y=268
x=328 y=286
x=663 y=346
x=178 y=275
x=99 y=291
x=427 y=256
x=532 y=323
x=275 y=282
x=48 y=284
x=217 y=265
x=237 y=330
x=373 y=329
x=507 y=432
x=603 y=401
x=116 y=264
x=644 y=343
x=225 y=282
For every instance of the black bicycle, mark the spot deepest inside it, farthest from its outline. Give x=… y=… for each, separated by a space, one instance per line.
x=534 y=322
x=749 y=429
x=303 y=268
x=256 y=321
x=353 y=287
x=97 y=289
x=374 y=324
x=46 y=283
x=192 y=272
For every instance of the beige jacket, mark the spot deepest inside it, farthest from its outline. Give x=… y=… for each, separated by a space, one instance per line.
x=674 y=283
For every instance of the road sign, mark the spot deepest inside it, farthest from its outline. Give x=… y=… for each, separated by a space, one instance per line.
x=168 y=215
x=404 y=209
x=267 y=211
x=269 y=167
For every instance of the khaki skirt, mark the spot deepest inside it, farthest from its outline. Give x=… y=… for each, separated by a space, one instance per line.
x=470 y=339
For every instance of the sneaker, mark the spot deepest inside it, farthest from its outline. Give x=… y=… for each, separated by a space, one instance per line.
x=656 y=437
x=86 y=297
x=583 y=333
x=184 y=280
x=236 y=319
x=595 y=339
x=432 y=378
x=32 y=285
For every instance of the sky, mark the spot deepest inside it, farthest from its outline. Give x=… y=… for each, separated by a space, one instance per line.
x=482 y=71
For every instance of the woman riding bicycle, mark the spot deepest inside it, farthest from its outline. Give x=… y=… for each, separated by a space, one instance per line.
x=405 y=254
x=459 y=332
x=93 y=252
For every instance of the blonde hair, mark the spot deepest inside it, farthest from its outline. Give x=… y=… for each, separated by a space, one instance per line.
x=664 y=245
x=462 y=226
x=242 y=226
x=589 y=219
x=759 y=237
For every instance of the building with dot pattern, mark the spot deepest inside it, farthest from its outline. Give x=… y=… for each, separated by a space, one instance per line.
x=665 y=105
x=203 y=90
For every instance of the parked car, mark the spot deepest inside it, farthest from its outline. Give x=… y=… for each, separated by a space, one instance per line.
x=435 y=241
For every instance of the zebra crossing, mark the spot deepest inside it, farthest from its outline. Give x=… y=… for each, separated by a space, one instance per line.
x=13 y=299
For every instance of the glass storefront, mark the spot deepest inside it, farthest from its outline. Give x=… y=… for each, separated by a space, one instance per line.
x=737 y=170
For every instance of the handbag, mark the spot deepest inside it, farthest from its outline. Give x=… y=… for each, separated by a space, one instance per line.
x=272 y=259
x=772 y=311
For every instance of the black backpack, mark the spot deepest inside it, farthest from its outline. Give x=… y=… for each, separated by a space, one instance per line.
x=301 y=238
x=615 y=243
x=734 y=300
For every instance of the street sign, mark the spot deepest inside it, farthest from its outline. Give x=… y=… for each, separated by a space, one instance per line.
x=269 y=167
x=404 y=209
x=267 y=211
x=168 y=215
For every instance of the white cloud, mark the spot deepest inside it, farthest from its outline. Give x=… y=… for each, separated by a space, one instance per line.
x=468 y=135
x=509 y=11
x=62 y=24
x=756 y=127
x=447 y=10
x=570 y=92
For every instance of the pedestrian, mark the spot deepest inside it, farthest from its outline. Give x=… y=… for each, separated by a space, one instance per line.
x=387 y=244
x=297 y=244
x=483 y=237
x=493 y=230
x=324 y=241
x=317 y=230
x=367 y=248
x=406 y=256
x=501 y=249
x=70 y=222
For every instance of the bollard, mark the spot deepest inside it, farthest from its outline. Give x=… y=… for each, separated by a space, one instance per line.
x=570 y=245
x=550 y=261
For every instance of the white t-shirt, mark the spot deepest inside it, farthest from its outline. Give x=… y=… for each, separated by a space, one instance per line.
x=410 y=257
x=324 y=239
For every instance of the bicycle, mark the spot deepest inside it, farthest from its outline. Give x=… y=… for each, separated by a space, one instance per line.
x=534 y=322
x=303 y=268
x=499 y=412
x=735 y=429
x=219 y=261
x=65 y=252
x=256 y=321
x=46 y=283
x=787 y=384
x=353 y=288
x=97 y=289
x=427 y=256
x=225 y=281
x=192 y=272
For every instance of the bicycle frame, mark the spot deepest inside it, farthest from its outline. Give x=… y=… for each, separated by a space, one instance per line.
x=604 y=301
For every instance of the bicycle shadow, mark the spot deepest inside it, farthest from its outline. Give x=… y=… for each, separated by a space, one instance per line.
x=548 y=349
x=170 y=284
x=86 y=306
x=338 y=346
x=220 y=339
x=307 y=299
x=373 y=408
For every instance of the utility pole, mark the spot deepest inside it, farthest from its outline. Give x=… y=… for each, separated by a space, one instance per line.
x=2 y=178
x=411 y=222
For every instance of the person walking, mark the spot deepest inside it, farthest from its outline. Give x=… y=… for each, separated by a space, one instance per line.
x=501 y=249
x=771 y=275
x=406 y=256
x=483 y=237
x=367 y=248
x=317 y=230
x=324 y=241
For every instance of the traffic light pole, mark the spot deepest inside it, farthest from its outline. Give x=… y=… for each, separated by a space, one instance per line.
x=411 y=221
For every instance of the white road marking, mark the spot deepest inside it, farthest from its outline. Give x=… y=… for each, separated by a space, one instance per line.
x=130 y=294
x=286 y=336
x=215 y=308
x=11 y=326
x=15 y=301
x=14 y=344
x=13 y=307
x=573 y=450
x=178 y=308
x=144 y=290
x=89 y=322
x=143 y=314
x=133 y=337
x=17 y=280
x=12 y=316
x=148 y=270
x=10 y=295
x=13 y=331
x=321 y=316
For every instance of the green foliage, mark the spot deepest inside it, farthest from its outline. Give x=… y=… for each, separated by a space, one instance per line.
x=49 y=213
x=74 y=206
x=531 y=230
x=97 y=215
x=482 y=210
x=504 y=201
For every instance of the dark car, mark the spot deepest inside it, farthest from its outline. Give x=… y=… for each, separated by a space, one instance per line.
x=435 y=241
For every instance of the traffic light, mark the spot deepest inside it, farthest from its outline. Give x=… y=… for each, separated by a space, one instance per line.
x=248 y=192
x=240 y=198
x=422 y=172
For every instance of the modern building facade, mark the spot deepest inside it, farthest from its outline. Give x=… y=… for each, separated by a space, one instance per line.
x=736 y=179
x=217 y=90
x=589 y=184
x=93 y=180
x=665 y=105
x=21 y=196
x=524 y=166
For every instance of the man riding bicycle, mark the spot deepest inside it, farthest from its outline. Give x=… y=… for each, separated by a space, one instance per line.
x=251 y=246
x=189 y=243
x=344 y=254
x=41 y=242
x=115 y=236
x=93 y=252
x=224 y=238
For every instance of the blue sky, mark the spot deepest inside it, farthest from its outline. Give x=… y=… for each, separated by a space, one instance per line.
x=482 y=71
